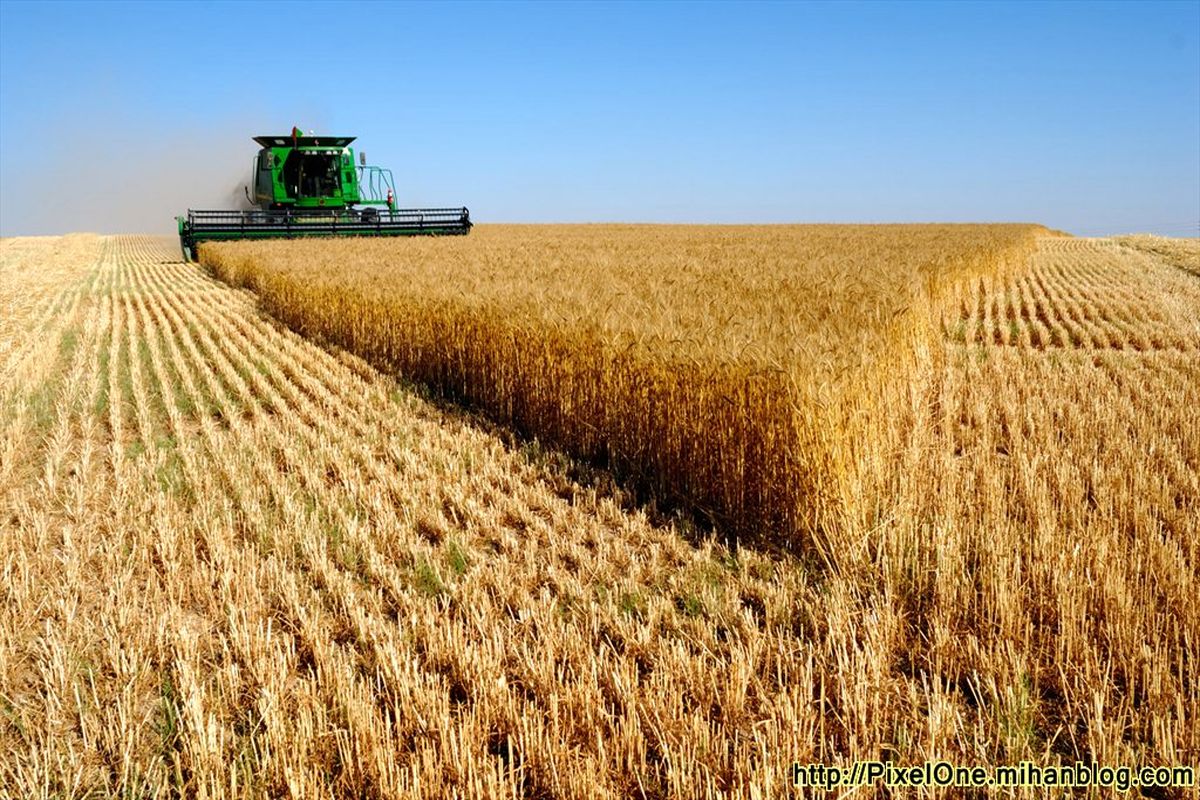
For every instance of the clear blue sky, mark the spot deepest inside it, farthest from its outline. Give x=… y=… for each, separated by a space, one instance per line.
x=1082 y=116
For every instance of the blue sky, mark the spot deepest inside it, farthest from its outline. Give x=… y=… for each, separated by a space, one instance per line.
x=1081 y=116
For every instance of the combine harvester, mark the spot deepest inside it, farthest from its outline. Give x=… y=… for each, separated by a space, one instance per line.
x=310 y=186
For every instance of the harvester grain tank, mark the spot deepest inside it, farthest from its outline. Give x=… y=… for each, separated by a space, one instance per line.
x=310 y=186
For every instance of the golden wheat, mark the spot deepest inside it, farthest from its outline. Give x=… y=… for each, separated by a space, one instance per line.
x=719 y=367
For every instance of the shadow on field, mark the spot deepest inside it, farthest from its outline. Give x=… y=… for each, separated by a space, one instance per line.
x=570 y=478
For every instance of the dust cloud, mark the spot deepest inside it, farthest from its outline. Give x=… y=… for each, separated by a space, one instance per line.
x=113 y=181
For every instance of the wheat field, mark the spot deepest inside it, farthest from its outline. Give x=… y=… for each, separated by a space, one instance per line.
x=727 y=369
x=234 y=563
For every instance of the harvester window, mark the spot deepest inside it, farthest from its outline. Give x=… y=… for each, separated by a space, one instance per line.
x=318 y=176
x=291 y=174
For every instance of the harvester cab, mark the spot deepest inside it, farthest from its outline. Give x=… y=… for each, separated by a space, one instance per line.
x=310 y=186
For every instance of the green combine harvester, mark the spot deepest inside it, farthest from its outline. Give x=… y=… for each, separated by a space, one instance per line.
x=310 y=186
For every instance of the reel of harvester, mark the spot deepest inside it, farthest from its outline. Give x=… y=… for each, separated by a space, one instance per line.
x=310 y=186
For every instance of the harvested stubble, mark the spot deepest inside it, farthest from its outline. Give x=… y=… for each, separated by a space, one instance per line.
x=737 y=371
x=1182 y=253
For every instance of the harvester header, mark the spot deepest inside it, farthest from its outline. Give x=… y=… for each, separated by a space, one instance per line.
x=311 y=186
